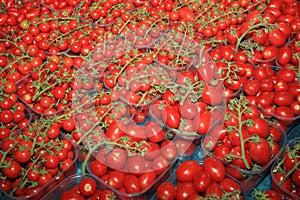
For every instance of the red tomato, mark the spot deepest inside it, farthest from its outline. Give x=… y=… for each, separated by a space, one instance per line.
x=260 y=127
x=70 y=195
x=230 y=185
x=132 y=184
x=260 y=152
x=201 y=181
x=116 y=158
x=116 y=179
x=166 y=191
x=98 y=168
x=276 y=37
x=147 y=179
x=171 y=117
x=187 y=170
x=215 y=168
x=272 y=195
x=185 y=190
x=87 y=187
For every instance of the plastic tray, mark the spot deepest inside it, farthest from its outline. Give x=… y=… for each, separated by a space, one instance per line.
x=50 y=185
x=66 y=185
x=251 y=178
x=275 y=185
x=172 y=179
x=143 y=195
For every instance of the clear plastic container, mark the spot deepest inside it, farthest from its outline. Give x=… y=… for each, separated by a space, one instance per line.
x=144 y=194
x=285 y=120
x=21 y=84
x=249 y=178
x=172 y=179
x=66 y=185
x=179 y=132
x=50 y=185
x=288 y=195
x=17 y=127
x=158 y=75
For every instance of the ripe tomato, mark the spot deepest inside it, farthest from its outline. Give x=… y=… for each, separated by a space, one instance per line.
x=166 y=191
x=260 y=152
x=272 y=195
x=13 y=170
x=185 y=190
x=215 y=168
x=171 y=117
x=187 y=170
x=287 y=184
x=116 y=158
x=22 y=156
x=214 y=189
x=71 y=195
x=116 y=179
x=296 y=178
x=276 y=37
x=115 y=131
x=87 y=187
x=284 y=55
x=201 y=181
x=260 y=127
x=98 y=168
x=169 y=150
x=154 y=132
x=146 y=179
x=230 y=185
x=132 y=184
x=135 y=164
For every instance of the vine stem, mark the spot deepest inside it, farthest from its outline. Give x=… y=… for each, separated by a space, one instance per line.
x=248 y=31
x=96 y=124
x=289 y=173
x=241 y=136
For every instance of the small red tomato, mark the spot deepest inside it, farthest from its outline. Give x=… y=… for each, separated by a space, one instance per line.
x=166 y=191
x=187 y=170
x=215 y=168
x=87 y=187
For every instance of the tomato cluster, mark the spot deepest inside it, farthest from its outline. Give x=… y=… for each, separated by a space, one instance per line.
x=285 y=171
x=136 y=84
x=32 y=163
x=246 y=142
x=81 y=188
x=194 y=181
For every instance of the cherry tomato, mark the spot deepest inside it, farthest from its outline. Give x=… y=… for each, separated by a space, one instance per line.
x=87 y=187
x=187 y=170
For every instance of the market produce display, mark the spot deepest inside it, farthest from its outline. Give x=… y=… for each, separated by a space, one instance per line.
x=115 y=99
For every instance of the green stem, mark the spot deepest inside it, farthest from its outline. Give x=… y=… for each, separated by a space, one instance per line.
x=241 y=137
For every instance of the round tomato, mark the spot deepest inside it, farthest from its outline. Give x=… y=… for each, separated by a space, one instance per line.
x=87 y=187
x=187 y=170
x=166 y=191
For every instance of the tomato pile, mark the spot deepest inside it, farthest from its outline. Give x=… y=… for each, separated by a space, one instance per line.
x=133 y=85
x=32 y=163
x=194 y=181
x=86 y=188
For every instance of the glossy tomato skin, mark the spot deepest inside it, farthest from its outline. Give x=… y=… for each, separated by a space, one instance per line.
x=201 y=181
x=260 y=152
x=87 y=187
x=132 y=184
x=187 y=170
x=184 y=190
x=70 y=195
x=215 y=168
x=171 y=117
x=166 y=191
